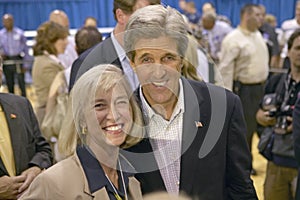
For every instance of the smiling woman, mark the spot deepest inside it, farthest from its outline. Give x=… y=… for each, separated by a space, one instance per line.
x=103 y=111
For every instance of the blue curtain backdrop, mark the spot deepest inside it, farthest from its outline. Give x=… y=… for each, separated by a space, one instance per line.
x=29 y=14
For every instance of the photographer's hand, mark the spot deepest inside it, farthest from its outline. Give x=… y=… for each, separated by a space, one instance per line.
x=263 y=118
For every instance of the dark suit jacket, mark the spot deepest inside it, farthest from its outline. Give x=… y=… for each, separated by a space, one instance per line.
x=296 y=134
x=29 y=147
x=102 y=53
x=215 y=161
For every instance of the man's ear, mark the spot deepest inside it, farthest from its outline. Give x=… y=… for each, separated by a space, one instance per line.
x=120 y=15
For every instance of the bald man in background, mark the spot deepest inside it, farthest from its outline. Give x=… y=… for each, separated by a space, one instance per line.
x=60 y=17
x=210 y=7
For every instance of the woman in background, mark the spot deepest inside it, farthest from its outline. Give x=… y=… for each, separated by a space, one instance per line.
x=51 y=40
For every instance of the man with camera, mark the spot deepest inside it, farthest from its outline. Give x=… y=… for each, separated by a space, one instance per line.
x=276 y=113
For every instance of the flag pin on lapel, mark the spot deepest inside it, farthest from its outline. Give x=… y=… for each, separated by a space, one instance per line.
x=198 y=124
x=13 y=116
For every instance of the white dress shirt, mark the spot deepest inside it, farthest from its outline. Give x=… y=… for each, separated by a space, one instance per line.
x=166 y=138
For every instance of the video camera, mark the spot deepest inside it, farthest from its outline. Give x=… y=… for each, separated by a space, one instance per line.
x=280 y=112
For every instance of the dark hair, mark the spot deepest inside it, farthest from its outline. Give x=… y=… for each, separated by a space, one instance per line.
x=154 y=2
x=47 y=34
x=247 y=8
x=295 y=35
x=86 y=37
x=127 y=5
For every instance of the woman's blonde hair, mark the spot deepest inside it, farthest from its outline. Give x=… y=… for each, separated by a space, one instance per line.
x=104 y=77
x=190 y=61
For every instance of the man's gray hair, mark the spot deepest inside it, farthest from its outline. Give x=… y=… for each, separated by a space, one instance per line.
x=152 y=22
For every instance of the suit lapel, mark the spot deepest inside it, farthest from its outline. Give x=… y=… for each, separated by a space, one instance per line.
x=190 y=116
x=101 y=194
x=190 y=132
x=3 y=170
x=14 y=125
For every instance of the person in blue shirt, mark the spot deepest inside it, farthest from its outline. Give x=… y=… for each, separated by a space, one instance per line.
x=14 y=50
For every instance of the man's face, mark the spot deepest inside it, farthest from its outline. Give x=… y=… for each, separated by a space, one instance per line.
x=261 y=17
x=253 y=19
x=208 y=24
x=294 y=53
x=158 y=67
x=8 y=22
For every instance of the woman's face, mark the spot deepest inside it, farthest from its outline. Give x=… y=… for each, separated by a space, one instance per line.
x=110 y=118
x=60 y=45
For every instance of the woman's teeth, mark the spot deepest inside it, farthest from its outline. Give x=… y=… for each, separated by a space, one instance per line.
x=113 y=128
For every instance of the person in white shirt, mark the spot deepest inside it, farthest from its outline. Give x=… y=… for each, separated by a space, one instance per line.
x=70 y=54
x=215 y=32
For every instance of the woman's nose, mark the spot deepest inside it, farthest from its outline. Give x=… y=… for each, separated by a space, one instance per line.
x=112 y=113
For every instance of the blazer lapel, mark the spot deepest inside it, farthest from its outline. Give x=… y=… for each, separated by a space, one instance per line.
x=135 y=189
x=14 y=125
x=101 y=194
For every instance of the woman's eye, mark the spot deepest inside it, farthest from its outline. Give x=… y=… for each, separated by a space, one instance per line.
x=99 y=106
x=122 y=102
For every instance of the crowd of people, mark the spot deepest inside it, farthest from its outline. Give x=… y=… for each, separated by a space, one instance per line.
x=164 y=108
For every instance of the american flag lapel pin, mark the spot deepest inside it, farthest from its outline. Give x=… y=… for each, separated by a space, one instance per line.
x=198 y=124
x=13 y=116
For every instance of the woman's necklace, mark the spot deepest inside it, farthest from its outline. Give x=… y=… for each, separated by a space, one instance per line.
x=116 y=194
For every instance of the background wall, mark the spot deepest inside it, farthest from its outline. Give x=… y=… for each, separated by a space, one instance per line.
x=29 y=14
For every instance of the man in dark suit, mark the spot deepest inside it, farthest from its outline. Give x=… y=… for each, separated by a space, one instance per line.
x=24 y=153
x=111 y=50
x=196 y=134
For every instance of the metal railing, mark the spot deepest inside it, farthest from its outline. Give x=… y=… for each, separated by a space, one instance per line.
x=17 y=63
x=30 y=35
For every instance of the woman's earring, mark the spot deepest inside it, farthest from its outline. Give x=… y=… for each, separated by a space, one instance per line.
x=83 y=130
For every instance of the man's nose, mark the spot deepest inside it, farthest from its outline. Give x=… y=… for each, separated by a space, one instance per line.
x=159 y=70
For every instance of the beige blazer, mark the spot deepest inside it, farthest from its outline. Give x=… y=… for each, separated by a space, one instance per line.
x=66 y=180
x=44 y=70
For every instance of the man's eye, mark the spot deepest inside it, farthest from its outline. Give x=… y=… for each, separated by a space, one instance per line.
x=146 y=60
x=168 y=58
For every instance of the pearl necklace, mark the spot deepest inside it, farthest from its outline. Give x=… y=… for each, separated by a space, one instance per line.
x=117 y=196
